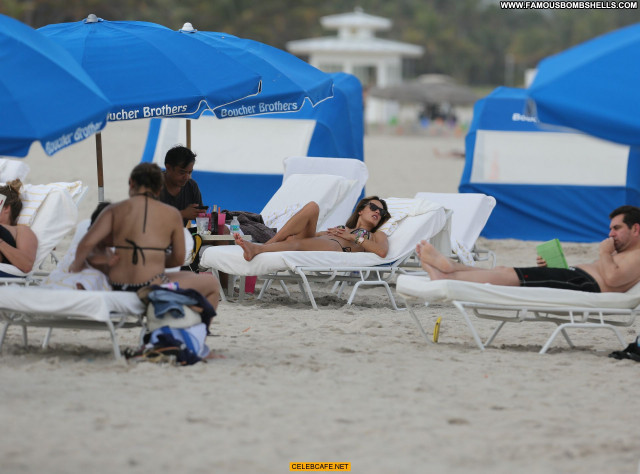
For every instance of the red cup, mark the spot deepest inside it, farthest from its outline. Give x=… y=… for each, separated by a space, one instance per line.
x=250 y=284
x=222 y=217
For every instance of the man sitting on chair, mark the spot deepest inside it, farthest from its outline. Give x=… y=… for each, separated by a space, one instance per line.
x=617 y=268
x=179 y=189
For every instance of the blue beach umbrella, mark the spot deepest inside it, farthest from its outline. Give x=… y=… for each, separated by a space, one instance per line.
x=147 y=70
x=287 y=81
x=593 y=87
x=44 y=93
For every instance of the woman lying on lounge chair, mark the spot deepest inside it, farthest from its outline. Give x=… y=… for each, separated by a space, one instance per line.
x=18 y=244
x=147 y=236
x=299 y=233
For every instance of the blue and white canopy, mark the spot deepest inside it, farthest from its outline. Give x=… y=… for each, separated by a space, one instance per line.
x=547 y=183
x=44 y=93
x=147 y=70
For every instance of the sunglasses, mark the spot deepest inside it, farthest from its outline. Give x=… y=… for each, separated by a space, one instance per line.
x=375 y=208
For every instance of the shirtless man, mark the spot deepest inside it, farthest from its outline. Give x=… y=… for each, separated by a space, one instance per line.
x=617 y=268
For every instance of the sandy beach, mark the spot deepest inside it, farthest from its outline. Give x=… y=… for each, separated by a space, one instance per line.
x=353 y=384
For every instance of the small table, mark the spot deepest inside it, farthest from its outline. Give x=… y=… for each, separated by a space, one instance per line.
x=221 y=237
x=215 y=239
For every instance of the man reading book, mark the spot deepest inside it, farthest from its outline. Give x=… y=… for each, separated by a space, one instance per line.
x=617 y=268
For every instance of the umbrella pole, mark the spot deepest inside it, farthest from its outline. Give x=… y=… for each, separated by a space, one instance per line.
x=189 y=134
x=99 y=163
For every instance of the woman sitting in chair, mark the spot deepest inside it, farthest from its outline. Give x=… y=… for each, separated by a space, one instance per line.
x=299 y=233
x=147 y=236
x=18 y=243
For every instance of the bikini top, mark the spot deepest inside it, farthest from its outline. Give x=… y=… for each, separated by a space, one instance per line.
x=138 y=250
x=360 y=232
x=7 y=236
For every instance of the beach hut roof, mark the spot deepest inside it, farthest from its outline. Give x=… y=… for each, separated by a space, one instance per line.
x=355 y=35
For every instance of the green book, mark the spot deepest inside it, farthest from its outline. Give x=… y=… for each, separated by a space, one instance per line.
x=552 y=253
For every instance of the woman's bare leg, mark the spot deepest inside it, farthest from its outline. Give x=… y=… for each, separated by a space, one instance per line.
x=301 y=225
x=204 y=283
x=314 y=243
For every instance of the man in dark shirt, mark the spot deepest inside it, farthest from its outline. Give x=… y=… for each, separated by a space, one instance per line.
x=179 y=190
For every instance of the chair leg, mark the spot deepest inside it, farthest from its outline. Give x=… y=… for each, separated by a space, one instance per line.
x=284 y=287
x=417 y=321
x=357 y=285
x=306 y=289
x=222 y=295
x=469 y=324
x=47 y=338
x=114 y=340
x=567 y=338
x=563 y=327
x=3 y=334
x=494 y=333
x=265 y=286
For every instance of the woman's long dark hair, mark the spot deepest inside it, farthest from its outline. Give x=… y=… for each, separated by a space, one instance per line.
x=353 y=219
x=12 y=191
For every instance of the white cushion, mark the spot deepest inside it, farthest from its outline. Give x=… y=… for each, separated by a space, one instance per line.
x=470 y=214
x=90 y=278
x=453 y=290
x=56 y=216
x=346 y=167
x=278 y=218
x=13 y=169
x=325 y=189
x=400 y=208
x=229 y=258
x=188 y=251
x=34 y=195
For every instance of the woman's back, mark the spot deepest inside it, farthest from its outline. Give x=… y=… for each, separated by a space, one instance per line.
x=142 y=230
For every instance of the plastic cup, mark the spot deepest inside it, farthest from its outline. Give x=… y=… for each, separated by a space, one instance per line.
x=202 y=224
x=250 y=284
x=222 y=217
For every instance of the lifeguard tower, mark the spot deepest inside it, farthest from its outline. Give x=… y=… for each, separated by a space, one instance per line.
x=356 y=50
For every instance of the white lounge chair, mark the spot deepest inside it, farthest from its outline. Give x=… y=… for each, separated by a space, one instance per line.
x=567 y=309
x=13 y=169
x=35 y=306
x=471 y=212
x=58 y=304
x=361 y=268
x=51 y=210
x=334 y=183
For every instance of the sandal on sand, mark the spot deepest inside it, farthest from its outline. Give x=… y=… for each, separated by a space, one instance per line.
x=160 y=355
x=632 y=351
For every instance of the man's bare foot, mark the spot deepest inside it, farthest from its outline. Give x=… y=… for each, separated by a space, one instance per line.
x=248 y=248
x=431 y=257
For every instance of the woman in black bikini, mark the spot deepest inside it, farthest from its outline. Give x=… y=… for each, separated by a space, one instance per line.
x=147 y=236
x=299 y=233
x=18 y=243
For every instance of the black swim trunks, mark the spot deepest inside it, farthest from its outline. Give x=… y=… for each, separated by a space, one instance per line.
x=562 y=278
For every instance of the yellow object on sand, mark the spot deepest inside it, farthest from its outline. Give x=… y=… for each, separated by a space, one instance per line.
x=436 y=329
